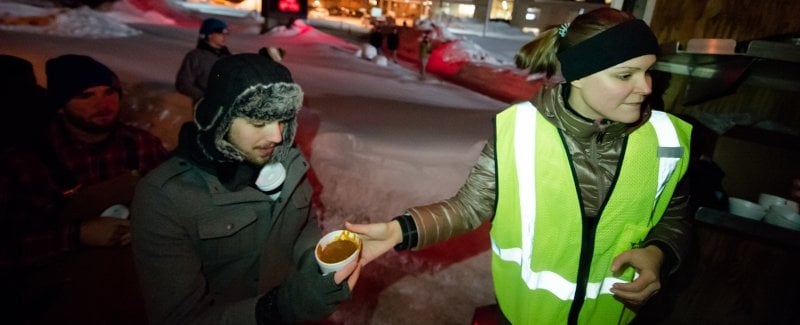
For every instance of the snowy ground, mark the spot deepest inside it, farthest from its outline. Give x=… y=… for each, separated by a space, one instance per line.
x=379 y=139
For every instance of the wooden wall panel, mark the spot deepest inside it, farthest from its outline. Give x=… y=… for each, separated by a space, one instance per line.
x=681 y=20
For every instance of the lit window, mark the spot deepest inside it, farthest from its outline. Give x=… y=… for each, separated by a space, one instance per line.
x=465 y=10
x=532 y=12
x=288 y=6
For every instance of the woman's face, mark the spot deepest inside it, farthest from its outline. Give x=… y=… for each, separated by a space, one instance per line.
x=616 y=93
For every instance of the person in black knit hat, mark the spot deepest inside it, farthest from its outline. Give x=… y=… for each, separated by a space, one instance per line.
x=68 y=75
x=54 y=226
x=25 y=102
x=192 y=76
x=213 y=242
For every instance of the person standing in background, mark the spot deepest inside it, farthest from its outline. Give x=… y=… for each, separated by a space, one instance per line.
x=376 y=39
x=424 y=53
x=24 y=102
x=393 y=42
x=273 y=53
x=192 y=77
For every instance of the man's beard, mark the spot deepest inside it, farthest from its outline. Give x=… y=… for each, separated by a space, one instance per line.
x=89 y=127
x=257 y=162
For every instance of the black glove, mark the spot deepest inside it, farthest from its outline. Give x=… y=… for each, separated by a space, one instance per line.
x=306 y=296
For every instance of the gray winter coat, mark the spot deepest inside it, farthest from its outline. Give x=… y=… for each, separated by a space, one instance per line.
x=205 y=254
x=192 y=77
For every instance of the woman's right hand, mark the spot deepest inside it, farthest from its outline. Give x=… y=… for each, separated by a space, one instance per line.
x=376 y=238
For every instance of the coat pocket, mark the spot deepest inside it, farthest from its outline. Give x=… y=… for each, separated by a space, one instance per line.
x=302 y=196
x=227 y=233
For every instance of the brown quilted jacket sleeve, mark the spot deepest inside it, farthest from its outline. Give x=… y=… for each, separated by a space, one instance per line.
x=463 y=212
x=672 y=234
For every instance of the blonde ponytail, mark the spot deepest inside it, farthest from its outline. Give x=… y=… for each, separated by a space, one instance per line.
x=539 y=55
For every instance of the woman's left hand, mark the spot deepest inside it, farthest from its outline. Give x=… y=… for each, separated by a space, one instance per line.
x=647 y=262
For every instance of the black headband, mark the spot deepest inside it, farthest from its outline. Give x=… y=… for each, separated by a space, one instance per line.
x=608 y=48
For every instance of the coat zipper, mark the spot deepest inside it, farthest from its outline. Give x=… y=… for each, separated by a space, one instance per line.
x=589 y=230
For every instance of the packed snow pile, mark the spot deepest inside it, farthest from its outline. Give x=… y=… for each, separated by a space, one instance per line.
x=464 y=51
x=126 y=12
x=81 y=22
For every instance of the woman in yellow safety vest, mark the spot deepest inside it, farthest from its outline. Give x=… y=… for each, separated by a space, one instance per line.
x=583 y=184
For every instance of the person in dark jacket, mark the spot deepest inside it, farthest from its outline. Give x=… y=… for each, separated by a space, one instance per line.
x=393 y=43
x=213 y=243
x=24 y=101
x=192 y=76
x=376 y=39
x=425 y=49
x=61 y=251
x=273 y=53
x=585 y=185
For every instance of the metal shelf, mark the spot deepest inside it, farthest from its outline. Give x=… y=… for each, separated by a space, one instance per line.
x=756 y=229
x=716 y=69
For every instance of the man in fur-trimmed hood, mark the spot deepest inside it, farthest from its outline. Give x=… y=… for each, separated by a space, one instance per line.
x=261 y=91
x=224 y=232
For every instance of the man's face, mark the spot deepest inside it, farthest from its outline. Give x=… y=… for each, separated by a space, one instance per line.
x=217 y=40
x=256 y=139
x=94 y=110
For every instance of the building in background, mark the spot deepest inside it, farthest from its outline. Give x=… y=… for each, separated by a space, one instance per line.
x=536 y=15
x=273 y=12
x=528 y=15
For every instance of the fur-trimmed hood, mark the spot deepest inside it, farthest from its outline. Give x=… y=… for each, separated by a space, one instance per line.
x=251 y=86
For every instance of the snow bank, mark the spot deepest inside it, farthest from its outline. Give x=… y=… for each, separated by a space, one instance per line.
x=81 y=22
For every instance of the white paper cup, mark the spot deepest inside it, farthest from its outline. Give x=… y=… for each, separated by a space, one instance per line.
x=118 y=211
x=747 y=209
x=335 y=251
x=271 y=177
x=768 y=200
x=783 y=216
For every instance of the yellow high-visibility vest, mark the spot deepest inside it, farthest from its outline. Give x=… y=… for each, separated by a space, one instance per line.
x=537 y=229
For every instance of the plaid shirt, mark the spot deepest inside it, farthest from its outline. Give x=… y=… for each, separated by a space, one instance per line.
x=35 y=183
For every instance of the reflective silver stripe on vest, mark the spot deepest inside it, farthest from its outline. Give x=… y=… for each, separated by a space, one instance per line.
x=524 y=137
x=669 y=149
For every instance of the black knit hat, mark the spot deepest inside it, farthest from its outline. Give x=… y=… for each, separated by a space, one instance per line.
x=17 y=72
x=211 y=26
x=68 y=75
x=251 y=86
